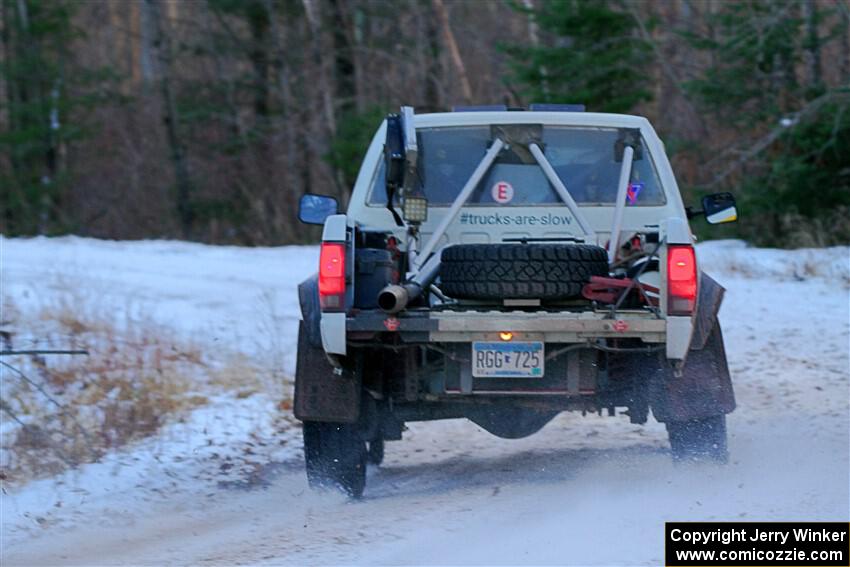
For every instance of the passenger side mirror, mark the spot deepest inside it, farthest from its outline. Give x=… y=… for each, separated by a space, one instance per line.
x=719 y=208
x=314 y=209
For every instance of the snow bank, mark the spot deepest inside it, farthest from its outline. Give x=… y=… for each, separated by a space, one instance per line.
x=229 y=443
x=242 y=300
x=227 y=315
x=737 y=257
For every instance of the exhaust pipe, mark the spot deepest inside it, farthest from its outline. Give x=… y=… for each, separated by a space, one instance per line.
x=395 y=297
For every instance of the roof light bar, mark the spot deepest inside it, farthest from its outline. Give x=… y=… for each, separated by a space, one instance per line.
x=548 y=107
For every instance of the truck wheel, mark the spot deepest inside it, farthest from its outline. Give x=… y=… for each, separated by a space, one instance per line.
x=376 y=451
x=699 y=439
x=520 y=271
x=335 y=457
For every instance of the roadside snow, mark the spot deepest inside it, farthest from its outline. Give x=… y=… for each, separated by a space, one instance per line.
x=587 y=490
x=737 y=257
x=241 y=300
x=224 y=444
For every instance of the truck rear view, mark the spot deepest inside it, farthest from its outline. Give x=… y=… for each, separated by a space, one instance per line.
x=505 y=266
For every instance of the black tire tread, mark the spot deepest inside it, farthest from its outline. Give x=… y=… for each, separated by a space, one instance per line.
x=699 y=439
x=335 y=457
x=520 y=271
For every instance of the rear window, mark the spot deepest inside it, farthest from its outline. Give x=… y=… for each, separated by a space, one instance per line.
x=583 y=158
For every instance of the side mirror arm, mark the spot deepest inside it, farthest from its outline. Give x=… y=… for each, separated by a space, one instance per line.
x=693 y=213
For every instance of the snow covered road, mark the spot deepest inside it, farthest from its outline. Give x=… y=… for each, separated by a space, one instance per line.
x=592 y=490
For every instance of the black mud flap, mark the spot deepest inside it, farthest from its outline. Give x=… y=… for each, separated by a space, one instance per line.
x=704 y=388
x=708 y=305
x=311 y=311
x=320 y=393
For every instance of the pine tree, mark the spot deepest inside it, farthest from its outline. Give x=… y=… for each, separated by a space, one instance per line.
x=766 y=80
x=47 y=104
x=593 y=56
x=36 y=37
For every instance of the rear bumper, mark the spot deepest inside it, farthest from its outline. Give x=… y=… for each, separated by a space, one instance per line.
x=466 y=326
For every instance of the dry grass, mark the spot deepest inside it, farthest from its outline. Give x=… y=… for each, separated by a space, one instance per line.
x=61 y=411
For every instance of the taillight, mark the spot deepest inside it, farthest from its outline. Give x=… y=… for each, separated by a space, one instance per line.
x=332 y=276
x=681 y=280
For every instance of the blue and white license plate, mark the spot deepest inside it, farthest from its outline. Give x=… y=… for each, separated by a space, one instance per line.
x=507 y=359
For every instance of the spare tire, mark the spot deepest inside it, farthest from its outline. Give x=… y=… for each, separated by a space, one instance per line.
x=520 y=271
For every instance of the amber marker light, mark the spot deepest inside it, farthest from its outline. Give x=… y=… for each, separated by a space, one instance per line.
x=506 y=336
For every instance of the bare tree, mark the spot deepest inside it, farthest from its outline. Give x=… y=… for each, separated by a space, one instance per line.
x=449 y=37
x=177 y=146
x=811 y=44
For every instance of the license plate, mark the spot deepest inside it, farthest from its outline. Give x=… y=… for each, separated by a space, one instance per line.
x=507 y=359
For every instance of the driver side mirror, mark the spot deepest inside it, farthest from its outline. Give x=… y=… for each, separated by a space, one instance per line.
x=314 y=209
x=719 y=208
x=394 y=152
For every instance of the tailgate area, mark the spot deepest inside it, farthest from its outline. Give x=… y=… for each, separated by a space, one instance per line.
x=424 y=325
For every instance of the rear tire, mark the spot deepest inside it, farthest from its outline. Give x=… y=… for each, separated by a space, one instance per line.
x=335 y=457
x=376 y=451
x=699 y=439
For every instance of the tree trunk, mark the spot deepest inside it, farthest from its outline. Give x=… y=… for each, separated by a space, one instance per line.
x=145 y=40
x=326 y=90
x=258 y=20
x=811 y=45
x=319 y=58
x=844 y=64
x=176 y=144
x=433 y=90
x=449 y=37
x=344 y=71
x=290 y=184
x=534 y=41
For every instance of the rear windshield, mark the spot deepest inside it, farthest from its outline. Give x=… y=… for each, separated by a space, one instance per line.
x=583 y=158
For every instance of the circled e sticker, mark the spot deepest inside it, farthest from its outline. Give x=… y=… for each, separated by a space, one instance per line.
x=502 y=192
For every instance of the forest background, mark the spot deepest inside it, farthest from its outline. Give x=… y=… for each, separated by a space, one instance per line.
x=206 y=120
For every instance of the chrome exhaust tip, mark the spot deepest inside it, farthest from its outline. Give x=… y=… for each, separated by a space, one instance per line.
x=393 y=298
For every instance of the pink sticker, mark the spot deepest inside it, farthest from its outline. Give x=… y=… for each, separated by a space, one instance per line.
x=502 y=192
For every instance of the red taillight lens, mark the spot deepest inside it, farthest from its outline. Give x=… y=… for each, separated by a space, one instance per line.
x=681 y=280
x=332 y=275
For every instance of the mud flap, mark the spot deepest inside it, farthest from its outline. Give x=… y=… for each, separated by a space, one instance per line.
x=311 y=312
x=320 y=393
x=708 y=304
x=703 y=390
x=705 y=387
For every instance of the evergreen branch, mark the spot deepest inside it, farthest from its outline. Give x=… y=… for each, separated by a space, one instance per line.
x=768 y=139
